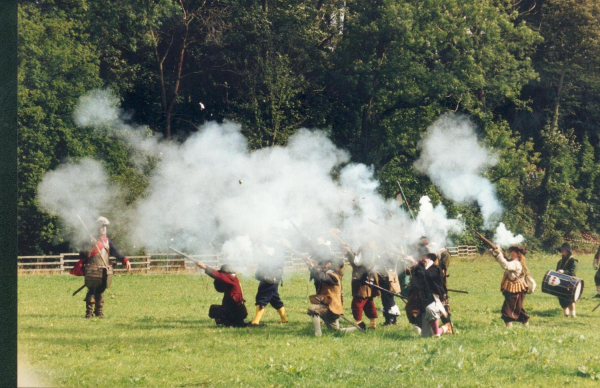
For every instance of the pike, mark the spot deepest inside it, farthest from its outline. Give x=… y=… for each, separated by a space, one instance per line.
x=190 y=258
x=388 y=291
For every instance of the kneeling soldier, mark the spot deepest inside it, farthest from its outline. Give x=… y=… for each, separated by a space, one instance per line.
x=327 y=303
x=232 y=310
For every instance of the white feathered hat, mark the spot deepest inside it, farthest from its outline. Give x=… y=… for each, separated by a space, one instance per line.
x=102 y=221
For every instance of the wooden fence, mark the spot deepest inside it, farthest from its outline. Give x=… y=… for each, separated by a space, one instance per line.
x=463 y=250
x=153 y=262
x=168 y=262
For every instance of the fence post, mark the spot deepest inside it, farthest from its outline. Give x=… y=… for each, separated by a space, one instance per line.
x=147 y=264
x=62 y=263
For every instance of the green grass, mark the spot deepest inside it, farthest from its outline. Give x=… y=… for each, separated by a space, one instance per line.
x=157 y=334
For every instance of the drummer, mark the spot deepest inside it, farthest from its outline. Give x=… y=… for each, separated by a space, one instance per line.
x=566 y=265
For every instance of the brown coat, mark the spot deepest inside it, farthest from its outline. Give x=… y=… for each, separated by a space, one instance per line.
x=334 y=292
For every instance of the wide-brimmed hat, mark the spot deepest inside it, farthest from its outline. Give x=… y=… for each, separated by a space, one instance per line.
x=564 y=247
x=518 y=249
x=226 y=268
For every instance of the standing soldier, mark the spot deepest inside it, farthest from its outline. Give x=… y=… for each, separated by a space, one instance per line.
x=269 y=273
x=96 y=268
x=597 y=277
x=232 y=310
x=363 y=264
x=567 y=265
x=388 y=279
x=426 y=292
x=327 y=303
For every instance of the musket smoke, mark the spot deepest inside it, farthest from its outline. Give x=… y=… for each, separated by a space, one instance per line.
x=455 y=161
x=195 y=201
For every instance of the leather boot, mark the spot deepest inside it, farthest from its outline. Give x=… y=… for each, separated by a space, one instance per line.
x=282 y=315
x=373 y=324
x=89 y=307
x=260 y=310
x=99 y=305
x=317 y=323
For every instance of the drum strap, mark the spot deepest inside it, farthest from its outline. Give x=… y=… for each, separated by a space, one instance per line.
x=566 y=262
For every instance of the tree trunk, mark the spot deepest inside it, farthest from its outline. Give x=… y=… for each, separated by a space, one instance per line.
x=559 y=90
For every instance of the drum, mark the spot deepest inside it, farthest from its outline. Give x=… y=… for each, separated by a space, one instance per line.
x=561 y=285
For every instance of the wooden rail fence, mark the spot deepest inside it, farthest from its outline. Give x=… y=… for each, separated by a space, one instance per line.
x=167 y=262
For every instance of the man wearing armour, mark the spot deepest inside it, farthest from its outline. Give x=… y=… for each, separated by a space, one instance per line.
x=95 y=266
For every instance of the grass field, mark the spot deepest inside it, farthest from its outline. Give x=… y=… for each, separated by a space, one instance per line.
x=157 y=334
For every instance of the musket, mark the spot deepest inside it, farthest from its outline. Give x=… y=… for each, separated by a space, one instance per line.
x=389 y=227
x=459 y=291
x=405 y=201
x=343 y=243
x=306 y=257
x=306 y=236
x=184 y=255
x=485 y=240
x=385 y=290
x=353 y=324
x=79 y=289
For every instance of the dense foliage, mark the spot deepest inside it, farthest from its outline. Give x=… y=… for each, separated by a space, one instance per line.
x=373 y=73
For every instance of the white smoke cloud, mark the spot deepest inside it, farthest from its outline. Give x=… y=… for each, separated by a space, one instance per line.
x=212 y=194
x=78 y=190
x=455 y=161
x=505 y=237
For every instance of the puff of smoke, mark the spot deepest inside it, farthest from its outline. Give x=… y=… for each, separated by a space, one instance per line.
x=76 y=190
x=454 y=160
x=99 y=109
x=505 y=237
x=195 y=189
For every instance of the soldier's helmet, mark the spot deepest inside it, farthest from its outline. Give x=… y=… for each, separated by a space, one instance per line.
x=102 y=221
x=227 y=269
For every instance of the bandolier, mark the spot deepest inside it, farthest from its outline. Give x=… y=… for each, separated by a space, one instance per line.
x=95 y=267
x=513 y=285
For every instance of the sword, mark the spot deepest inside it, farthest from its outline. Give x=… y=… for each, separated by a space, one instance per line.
x=79 y=289
x=388 y=291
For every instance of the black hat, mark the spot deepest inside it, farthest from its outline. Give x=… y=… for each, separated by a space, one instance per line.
x=564 y=247
x=226 y=268
x=432 y=256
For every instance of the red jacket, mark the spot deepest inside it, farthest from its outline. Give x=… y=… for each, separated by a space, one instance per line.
x=230 y=283
x=112 y=251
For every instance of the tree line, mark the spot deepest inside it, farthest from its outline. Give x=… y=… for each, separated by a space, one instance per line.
x=372 y=73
